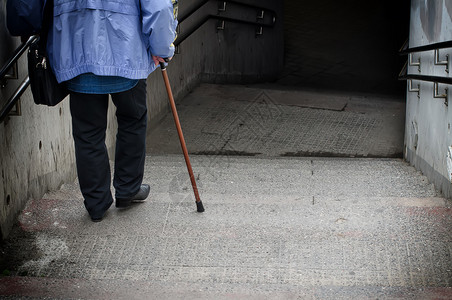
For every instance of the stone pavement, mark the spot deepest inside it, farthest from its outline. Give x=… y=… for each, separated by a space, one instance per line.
x=275 y=227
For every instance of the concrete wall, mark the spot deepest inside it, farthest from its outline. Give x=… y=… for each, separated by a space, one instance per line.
x=36 y=149
x=429 y=120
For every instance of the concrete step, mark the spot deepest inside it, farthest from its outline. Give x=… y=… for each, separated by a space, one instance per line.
x=274 y=228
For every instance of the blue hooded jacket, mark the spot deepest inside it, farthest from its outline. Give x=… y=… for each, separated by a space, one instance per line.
x=110 y=37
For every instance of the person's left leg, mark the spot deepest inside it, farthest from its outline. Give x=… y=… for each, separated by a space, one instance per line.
x=131 y=113
x=89 y=122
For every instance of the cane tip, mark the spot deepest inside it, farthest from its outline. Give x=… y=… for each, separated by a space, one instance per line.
x=199 y=207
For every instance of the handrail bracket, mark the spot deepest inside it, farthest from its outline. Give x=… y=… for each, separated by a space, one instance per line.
x=437 y=95
x=18 y=110
x=259 y=31
x=414 y=64
x=221 y=6
x=220 y=25
x=438 y=62
x=12 y=75
x=414 y=90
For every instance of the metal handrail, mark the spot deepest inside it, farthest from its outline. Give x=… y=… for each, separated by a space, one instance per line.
x=16 y=55
x=200 y=4
x=403 y=75
x=194 y=28
x=181 y=18
x=184 y=36
x=8 y=106
x=405 y=50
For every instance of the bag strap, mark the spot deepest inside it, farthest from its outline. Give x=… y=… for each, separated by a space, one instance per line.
x=47 y=22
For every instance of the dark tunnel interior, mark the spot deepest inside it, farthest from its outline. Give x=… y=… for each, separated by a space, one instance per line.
x=349 y=45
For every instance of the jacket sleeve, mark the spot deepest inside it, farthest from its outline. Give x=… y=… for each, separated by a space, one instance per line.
x=24 y=18
x=159 y=21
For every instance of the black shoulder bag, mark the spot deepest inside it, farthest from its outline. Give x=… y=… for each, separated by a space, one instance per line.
x=44 y=86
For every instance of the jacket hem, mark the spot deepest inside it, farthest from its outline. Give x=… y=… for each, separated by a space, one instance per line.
x=104 y=71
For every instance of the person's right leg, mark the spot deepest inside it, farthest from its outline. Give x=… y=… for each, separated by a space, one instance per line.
x=89 y=123
x=131 y=113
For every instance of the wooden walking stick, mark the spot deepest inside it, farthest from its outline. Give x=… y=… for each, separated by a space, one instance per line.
x=199 y=206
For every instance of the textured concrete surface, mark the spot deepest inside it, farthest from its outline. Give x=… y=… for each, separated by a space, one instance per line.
x=274 y=228
x=270 y=121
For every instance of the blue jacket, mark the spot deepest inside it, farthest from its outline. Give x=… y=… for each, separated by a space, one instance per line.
x=110 y=37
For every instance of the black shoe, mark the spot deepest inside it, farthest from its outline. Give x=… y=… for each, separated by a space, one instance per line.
x=98 y=219
x=141 y=196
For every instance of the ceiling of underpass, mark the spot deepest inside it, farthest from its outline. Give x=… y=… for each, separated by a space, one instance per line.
x=347 y=45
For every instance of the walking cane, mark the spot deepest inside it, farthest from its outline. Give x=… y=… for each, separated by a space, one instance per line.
x=199 y=206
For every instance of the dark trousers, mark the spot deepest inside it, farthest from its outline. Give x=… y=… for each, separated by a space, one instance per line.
x=89 y=123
